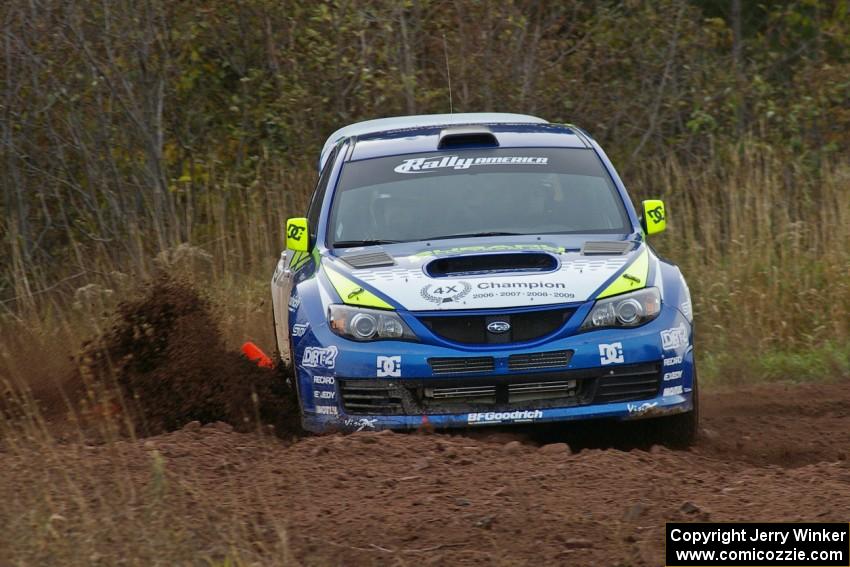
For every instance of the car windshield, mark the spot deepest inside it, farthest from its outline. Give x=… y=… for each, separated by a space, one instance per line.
x=474 y=193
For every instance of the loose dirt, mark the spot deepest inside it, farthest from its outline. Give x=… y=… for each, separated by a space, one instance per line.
x=163 y=364
x=584 y=494
x=770 y=453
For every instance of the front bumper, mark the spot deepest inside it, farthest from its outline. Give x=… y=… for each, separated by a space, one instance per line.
x=613 y=373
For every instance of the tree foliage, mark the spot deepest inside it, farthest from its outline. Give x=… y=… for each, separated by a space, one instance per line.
x=129 y=113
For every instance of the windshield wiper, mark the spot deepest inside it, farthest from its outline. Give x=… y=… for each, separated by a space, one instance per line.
x=353 y=243
x=474 y=234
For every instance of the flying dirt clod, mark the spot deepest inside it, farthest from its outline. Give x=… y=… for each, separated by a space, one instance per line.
x=166 y=358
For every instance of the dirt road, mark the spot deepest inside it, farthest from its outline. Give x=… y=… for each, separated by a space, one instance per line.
x=204 y=493
x=769 y=453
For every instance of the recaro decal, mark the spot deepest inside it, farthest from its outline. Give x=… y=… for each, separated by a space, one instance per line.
x=424 y=165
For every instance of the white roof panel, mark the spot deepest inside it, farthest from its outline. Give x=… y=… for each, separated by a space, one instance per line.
x=423 y=120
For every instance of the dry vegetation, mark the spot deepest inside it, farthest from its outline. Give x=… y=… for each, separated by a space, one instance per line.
x=765 y=248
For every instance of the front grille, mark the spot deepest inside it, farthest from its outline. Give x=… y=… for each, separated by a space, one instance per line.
x=628 y=384
x=452 y=365
x=479 y=394
x=539 y=360
x=373 y=397
x=472 y=329
x=541 y=391
x=537 y=390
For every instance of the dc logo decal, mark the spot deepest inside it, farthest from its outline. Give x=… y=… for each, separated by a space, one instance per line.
x=295 y=232
x=656 y=214
x=611 y=354
x=389 y=366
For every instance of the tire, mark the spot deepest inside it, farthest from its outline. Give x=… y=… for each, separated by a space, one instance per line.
x=680 y=431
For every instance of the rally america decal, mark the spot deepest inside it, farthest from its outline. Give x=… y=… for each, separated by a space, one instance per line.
x=424 y=165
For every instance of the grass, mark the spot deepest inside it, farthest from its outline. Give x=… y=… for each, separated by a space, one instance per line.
x=130 y=504
x=763 y=240
x=827 y=362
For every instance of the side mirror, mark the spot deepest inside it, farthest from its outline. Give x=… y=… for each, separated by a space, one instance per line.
x=297 y=235
x=654 y=216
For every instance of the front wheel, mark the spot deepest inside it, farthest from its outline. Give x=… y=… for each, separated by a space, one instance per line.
x=680 y=431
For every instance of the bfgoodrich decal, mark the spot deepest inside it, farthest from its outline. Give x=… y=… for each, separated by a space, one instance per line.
x=502 y=416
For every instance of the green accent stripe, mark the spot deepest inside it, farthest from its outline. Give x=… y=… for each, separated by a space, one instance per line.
x=352 y=293
x=634 y=277
x=299 y=259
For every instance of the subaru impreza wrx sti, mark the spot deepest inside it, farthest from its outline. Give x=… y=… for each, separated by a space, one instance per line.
x=480 y=269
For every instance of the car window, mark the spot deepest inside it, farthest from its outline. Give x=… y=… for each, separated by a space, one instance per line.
x=512 y=190
x=315 y=208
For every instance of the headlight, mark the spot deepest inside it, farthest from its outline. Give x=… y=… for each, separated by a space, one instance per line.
x=627 y=310
x=361 y=324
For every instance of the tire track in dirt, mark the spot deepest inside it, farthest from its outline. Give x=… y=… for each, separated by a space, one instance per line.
x=773 y=453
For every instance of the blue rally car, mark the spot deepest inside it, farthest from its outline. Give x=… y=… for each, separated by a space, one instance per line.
x=466 y=270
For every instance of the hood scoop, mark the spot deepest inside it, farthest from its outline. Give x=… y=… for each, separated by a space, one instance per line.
x=607 y=247
x=491 y=263
x=360 y=260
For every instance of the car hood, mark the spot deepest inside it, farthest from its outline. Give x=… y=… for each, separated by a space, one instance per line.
x=486 y=272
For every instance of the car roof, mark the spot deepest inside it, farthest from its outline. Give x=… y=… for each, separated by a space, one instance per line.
x=420 y=133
